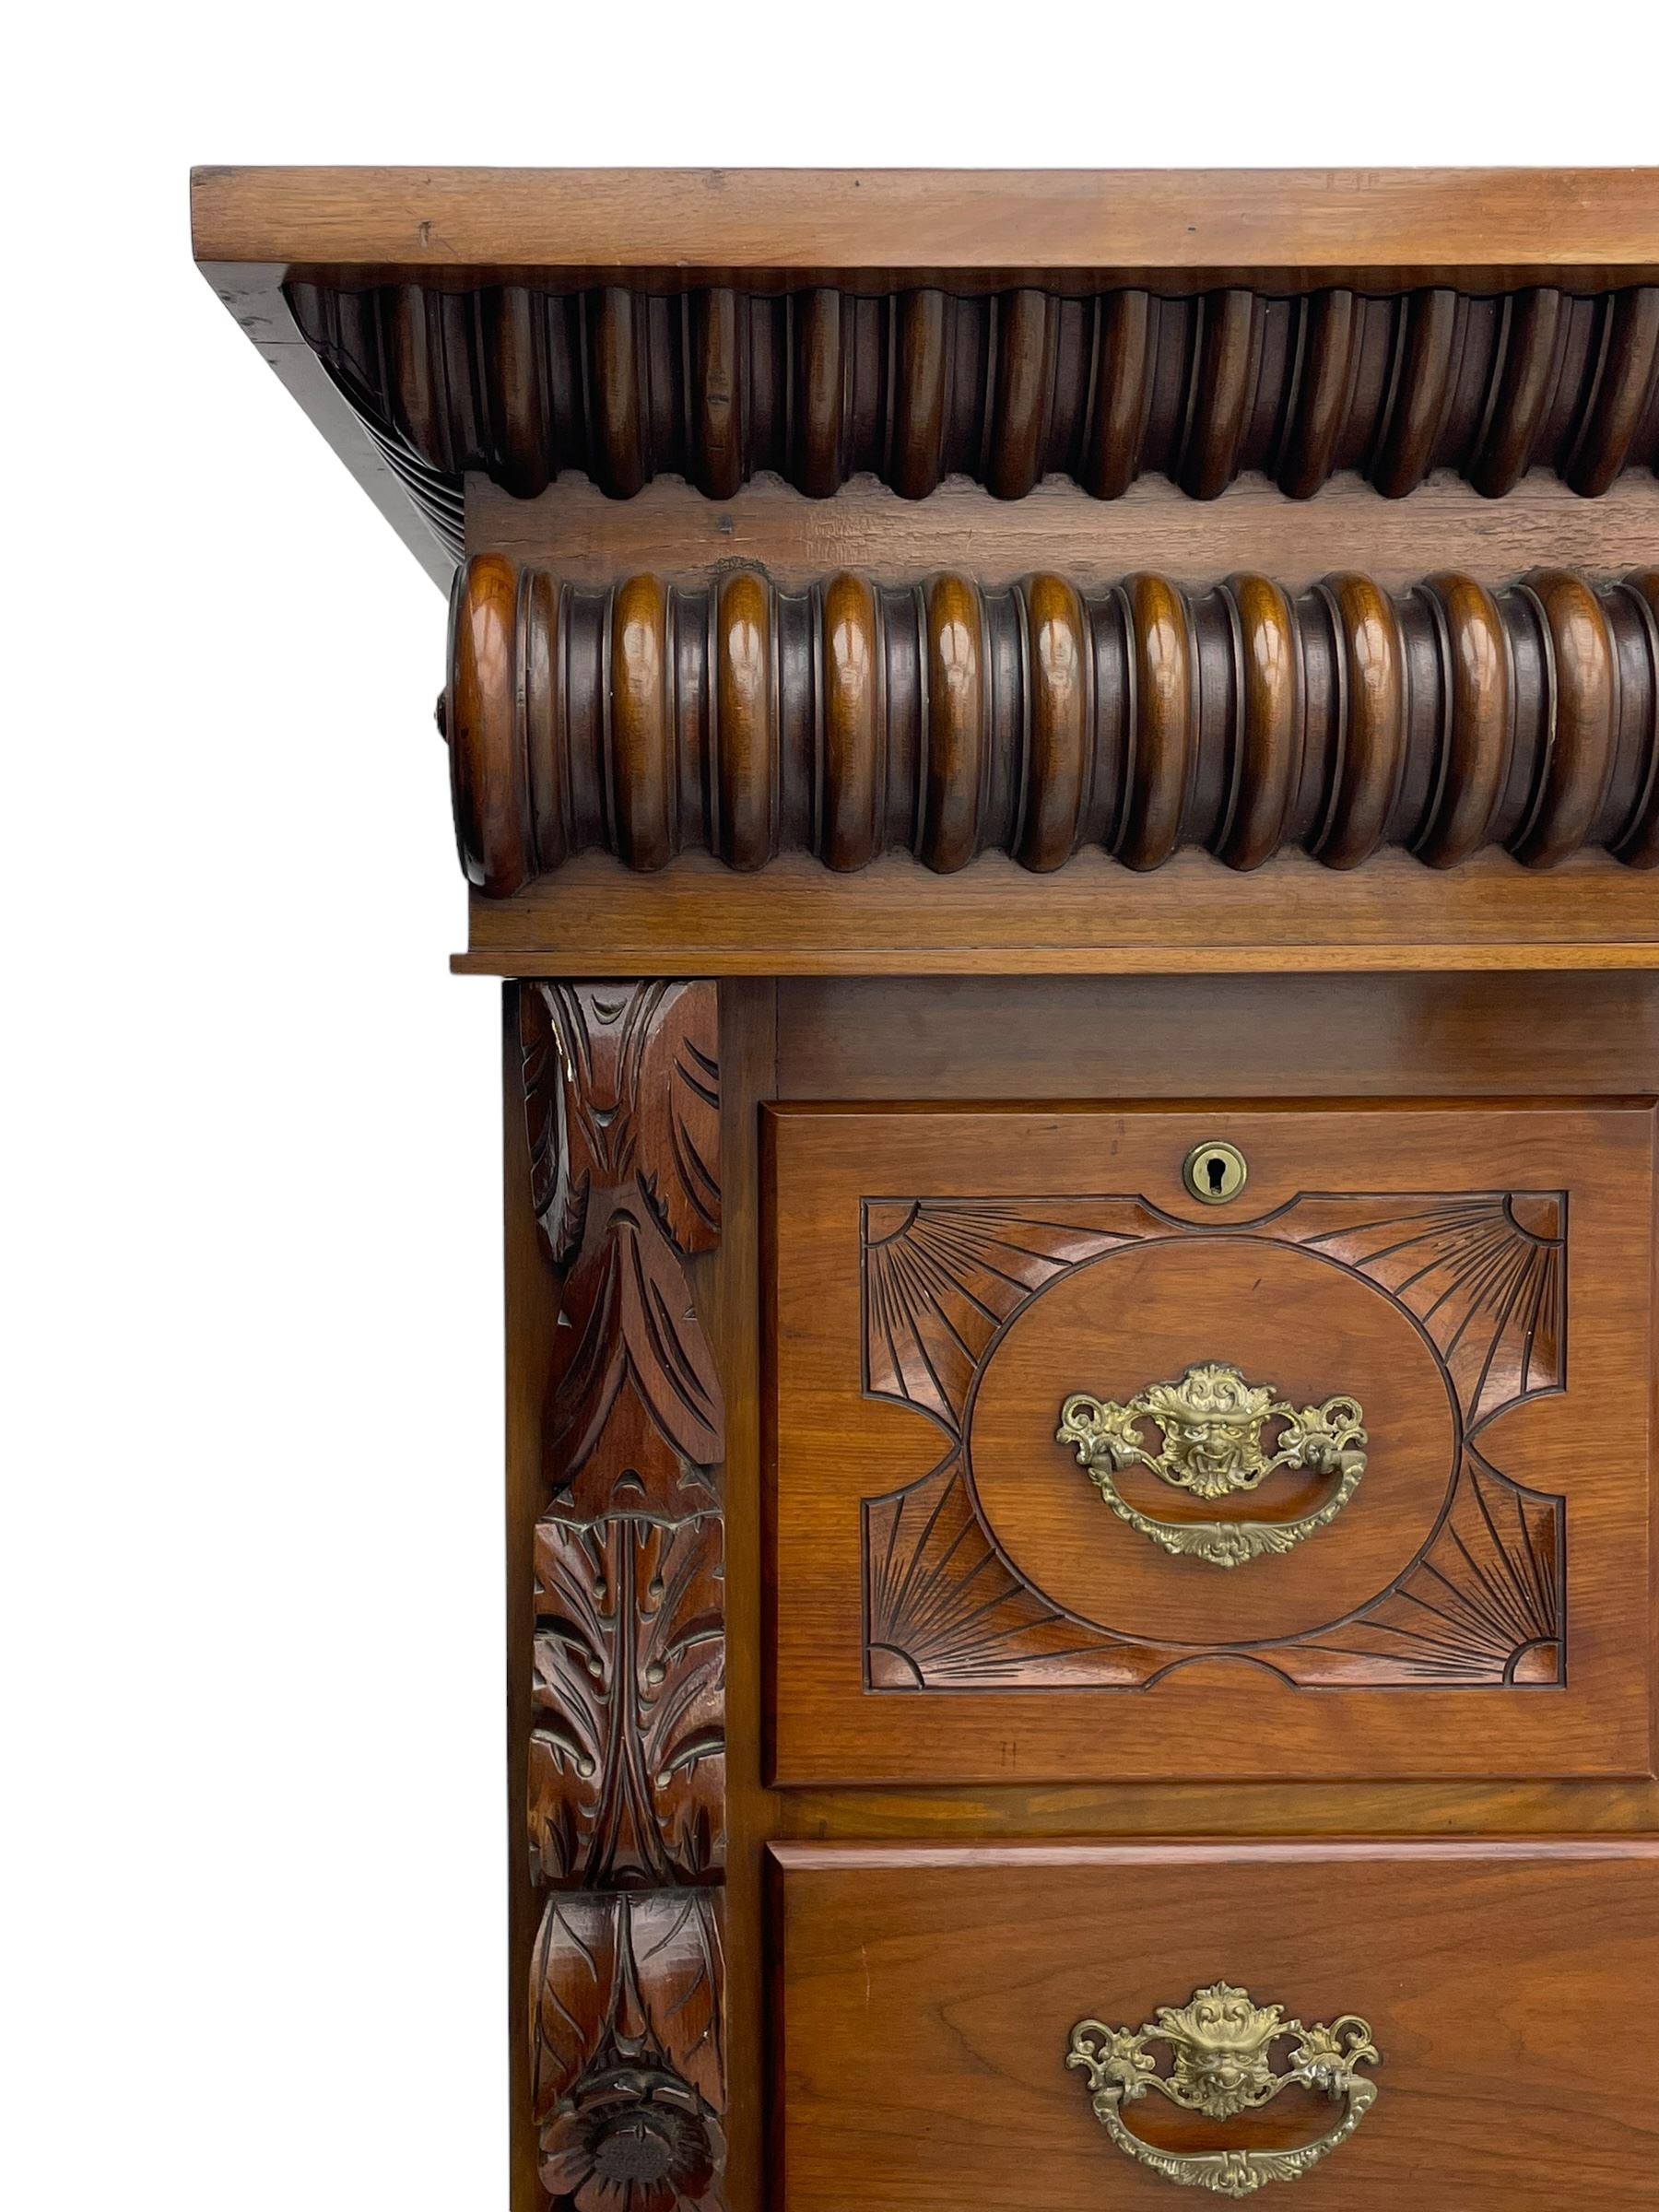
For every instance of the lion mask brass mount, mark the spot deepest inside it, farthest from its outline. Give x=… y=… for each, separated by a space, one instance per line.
x=1220 y=2048
x=1211 y=1426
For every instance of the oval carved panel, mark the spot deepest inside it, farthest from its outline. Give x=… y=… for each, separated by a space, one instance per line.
x=1143 y=1315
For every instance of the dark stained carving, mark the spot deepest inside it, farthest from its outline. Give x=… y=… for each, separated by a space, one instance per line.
x=623 y=1100
x=629 y=2074
x=850 y=719
x=1482 y=1605
x=627 y=1754
x=717 y=385
x=627 y=1747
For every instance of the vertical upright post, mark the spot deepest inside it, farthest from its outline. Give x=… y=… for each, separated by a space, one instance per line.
x=626 y=1758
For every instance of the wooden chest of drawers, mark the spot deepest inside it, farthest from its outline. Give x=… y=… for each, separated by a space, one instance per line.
x=1062 y=777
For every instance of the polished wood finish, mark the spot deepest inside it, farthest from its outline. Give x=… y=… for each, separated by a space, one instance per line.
x=1397 y=1035
x=977 y=1268
x=946 y=720
x=718 y=385
x=1087 y=663
x=1094 y=917
x=625 y=1780
x=1003 y=323
x=926 y=1997
x=1567 y=222
x=630 y=2076
x=673 y=532
x=977 y=1038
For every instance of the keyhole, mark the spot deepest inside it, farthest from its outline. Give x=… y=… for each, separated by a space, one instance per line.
x=1214 y=1172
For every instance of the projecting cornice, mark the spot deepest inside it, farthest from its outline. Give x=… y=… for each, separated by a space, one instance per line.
x=931 y=571
x=718 y=385
x=1001 y=326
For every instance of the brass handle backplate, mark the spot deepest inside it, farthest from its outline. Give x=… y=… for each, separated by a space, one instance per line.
x=1211 y=1426
x=1220 y=2052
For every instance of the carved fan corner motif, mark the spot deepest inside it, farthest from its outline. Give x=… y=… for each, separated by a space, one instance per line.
x=1482 y=1605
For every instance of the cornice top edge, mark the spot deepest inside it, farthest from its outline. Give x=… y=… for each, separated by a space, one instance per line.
x=725 y=220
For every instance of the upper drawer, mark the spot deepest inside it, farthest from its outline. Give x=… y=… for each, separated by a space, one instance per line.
x=1457 y=2026
x=1080 y=1476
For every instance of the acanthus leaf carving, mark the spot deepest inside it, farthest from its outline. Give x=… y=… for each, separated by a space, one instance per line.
x=628 y=1741
x=622 y=1084
x=622 y=1103
x=636 y=1418
x=627 y=1752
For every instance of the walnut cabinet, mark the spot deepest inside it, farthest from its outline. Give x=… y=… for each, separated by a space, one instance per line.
x=1061 y=772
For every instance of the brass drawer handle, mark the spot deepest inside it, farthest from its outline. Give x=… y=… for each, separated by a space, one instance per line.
x=1211 y=1423
x=1221 y=2062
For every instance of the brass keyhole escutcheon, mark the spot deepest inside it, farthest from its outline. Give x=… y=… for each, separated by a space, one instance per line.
x=1216 y=1172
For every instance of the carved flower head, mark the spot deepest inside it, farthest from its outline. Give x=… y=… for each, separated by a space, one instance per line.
x=633 y=2140
x=1220 y=2042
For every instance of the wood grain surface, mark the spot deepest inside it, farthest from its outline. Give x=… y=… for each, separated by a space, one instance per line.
x=1094 y=917
x=925 y=2000
x=1041 y=1038
x=1010 y=221
x=1094 y=661
x=676 y=532
x=1061 y=1036
x=943 y=1280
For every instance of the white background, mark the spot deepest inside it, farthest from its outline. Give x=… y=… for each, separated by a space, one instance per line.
x=251 y=1848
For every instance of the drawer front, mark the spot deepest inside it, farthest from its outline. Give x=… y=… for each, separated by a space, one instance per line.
x=1463 y=2022
x=1078 y=1474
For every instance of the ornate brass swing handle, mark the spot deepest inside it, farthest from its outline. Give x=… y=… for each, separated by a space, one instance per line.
x=1211 y=1424
x=1221 y=2047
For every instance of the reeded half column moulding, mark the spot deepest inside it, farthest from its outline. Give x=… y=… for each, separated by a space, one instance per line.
x=971 y=700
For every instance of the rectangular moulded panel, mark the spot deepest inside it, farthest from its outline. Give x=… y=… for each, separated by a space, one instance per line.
x=1409 y=1538
x=1476 y=2008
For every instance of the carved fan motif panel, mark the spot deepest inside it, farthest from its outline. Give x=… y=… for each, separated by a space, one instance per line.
x=1291 y=1480
x=1480 y=1600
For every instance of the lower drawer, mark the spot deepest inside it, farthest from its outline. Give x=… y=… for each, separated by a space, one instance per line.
x=1467 y=2021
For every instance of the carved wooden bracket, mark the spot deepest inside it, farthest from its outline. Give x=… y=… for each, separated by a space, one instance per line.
x=626 y=1761
x=944 y=719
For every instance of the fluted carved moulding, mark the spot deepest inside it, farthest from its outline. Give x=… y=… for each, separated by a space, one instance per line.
x=719 y=385
x=944 y=719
